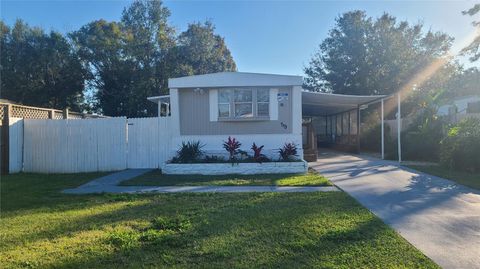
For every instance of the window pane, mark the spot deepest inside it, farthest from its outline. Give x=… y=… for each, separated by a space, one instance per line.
x=263 y=95
x=224 y=96
x=262 y=109
x=243 y=110
x=243 y=95
x=224 y=110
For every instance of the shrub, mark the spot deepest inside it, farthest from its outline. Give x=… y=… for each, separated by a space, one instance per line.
x=214 y=159
x=189 y=152
x=288 y=152
x=460 y=150
x=370 y=137
x=232 y=146
x=258 y=156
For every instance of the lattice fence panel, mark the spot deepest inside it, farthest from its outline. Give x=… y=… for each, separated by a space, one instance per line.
x=29 y=112
x=3 y=111
x=58 y=115
x=74 y=115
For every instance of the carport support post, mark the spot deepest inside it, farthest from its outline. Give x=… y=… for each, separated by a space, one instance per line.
x=383 y=133
x=399 y=127
x=358 y=129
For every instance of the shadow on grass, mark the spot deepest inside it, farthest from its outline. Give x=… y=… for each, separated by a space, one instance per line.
x=259 y=230
x=156 y=178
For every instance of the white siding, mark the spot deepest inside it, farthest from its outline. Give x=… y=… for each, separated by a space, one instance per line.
x=213 y=104
x=297 y=110
x=271 y=143
x=273 y=107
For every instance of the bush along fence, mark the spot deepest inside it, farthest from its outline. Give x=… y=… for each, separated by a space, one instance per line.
x=11 y=130
x=190 y=159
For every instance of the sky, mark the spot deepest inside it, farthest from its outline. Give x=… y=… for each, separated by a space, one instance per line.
x=277 y=37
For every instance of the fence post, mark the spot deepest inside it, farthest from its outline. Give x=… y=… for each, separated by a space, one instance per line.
x=51 y=114
x=5 y=154
x=65 y=113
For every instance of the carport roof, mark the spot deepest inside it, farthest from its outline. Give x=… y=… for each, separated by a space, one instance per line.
x=323 y=104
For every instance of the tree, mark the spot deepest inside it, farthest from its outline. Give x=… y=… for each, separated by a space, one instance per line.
x=40 y=69
x=132 y=59
x=200 y=51
x=127 y=58
x=474 y=47
x=364 y=56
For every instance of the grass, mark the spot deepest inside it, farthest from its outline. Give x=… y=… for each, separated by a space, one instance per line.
x=464 y=178
x=156 y=178
x=41 y=228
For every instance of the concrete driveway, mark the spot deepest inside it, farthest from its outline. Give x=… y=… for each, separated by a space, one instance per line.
x=439 y=217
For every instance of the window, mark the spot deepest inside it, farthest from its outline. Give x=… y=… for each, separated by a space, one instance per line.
x=224 y=98
x=263 y=98
x=243 y=103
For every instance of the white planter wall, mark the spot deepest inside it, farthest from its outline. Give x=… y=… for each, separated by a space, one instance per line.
x=240 y=168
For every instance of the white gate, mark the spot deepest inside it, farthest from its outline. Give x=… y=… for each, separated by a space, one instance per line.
x=149 y=141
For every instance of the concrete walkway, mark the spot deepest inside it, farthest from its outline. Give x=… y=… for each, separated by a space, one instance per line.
x=439 y=217
x=109 y=184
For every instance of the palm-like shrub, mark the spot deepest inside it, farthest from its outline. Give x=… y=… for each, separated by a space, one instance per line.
x=232 y=146
x=288 y=152
x=189 y=152
x=258 y=156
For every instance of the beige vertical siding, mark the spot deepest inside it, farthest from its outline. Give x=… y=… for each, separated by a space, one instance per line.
x=195 y=117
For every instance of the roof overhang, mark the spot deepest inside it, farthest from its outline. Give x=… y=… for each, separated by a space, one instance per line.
x=159 y=99
x=324 y=104
x=234 y=79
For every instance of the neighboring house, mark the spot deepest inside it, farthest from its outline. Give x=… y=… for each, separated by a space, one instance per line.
x=263 y=109
x=460 y=106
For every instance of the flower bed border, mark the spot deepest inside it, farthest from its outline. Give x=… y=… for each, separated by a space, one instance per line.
x=299 y=167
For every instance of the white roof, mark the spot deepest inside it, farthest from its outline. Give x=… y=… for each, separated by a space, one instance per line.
x=322 y=104
x=234 y=79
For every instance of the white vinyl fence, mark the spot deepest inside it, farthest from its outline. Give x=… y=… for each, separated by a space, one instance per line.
x=149 y=141
x=15 y=145
x=87 y=145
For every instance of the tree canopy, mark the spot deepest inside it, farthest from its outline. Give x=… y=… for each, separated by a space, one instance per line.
x=364 y=56
x=132 y=59
x=473 y=48
x=107 y=67
x=201 y=51
x=39 y=69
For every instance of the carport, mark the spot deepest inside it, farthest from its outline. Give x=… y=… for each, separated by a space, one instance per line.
x=333 y=120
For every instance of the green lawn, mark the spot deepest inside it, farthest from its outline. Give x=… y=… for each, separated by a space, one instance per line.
x=41 y=228
x=156 y=178
x=464 y=178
